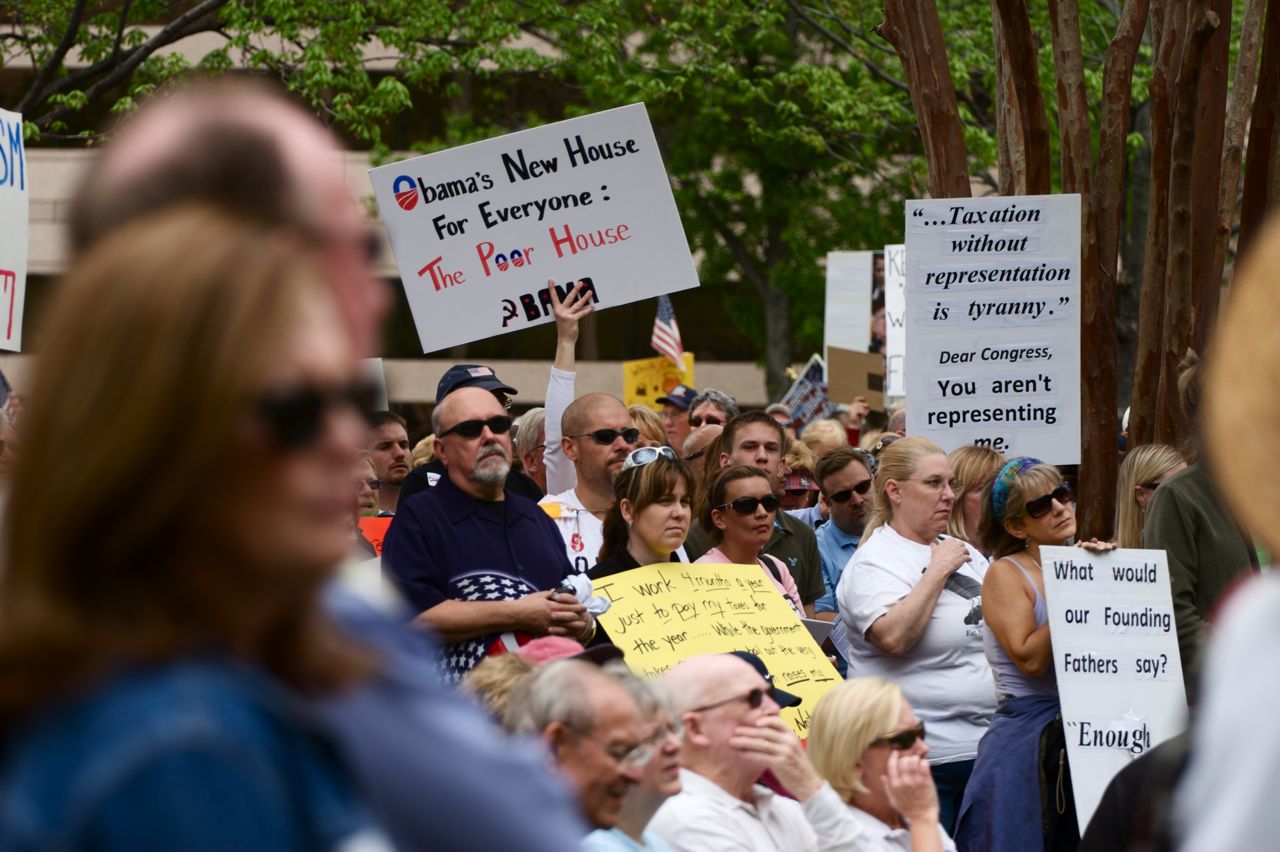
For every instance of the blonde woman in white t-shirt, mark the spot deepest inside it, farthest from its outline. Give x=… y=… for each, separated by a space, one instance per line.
x=911 y=604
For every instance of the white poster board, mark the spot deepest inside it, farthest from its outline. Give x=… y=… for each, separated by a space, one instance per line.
x=14 y=206
x=477 y=230
x=1115 y=651
x=847 y=319
x=895 y=319
x=993 y=324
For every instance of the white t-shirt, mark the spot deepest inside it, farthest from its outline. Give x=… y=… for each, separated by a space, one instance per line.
x=882 y=838
x=945 y=676
x=583 y=532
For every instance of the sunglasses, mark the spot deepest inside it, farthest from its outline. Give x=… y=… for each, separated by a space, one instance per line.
x=902 y=740
x=295 y=416
x=747 y=505
x=605 y=437
x=1041 y=506
x=499 y=424
x=695 y=421
x=843 y=496
x=374 y=484
x=647 y=455
x=754 y=699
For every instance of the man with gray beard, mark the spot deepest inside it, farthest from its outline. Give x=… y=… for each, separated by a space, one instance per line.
x=478 y=563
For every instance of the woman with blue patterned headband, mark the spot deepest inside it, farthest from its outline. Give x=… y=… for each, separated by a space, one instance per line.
x=911 y=606
x=1026 y=505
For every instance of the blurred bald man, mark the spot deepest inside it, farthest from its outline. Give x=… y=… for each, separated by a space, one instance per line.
x=246 y=151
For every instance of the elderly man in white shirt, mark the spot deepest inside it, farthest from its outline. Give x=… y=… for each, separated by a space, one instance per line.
x=732 y=734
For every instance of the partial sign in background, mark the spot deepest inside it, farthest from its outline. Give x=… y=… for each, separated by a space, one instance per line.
x=847 y=316
x=662 y=614
x=993 y=324
x=807 y=398
x=647 y=380
x=478 y=230
x=14 y=205
x=1115 y=651
x=895 y=318
x=855 y=374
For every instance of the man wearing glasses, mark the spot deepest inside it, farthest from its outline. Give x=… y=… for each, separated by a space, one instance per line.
x=592 y=728
x=597 y=435
x=844 y=477
x=475 y=560
x=732 y=734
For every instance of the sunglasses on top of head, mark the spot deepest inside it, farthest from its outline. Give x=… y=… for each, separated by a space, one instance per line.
x=605 y=437
x=295 y=416
x=648 y=455
x=1041 y=506
x=747 y=505
x=499 y=424
x=843 y=496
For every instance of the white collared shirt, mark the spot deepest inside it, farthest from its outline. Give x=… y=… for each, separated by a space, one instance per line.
x=704 y=817
x=882 y=838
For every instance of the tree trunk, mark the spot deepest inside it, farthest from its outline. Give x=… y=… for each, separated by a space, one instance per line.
x=1014 y=31
x=1233 y=135
x=1144 y=414
x=1132 y=247
x=914 y=30
x=1179 y=332
x=1011 y=161
x=1264 y=136
x=1206 y=173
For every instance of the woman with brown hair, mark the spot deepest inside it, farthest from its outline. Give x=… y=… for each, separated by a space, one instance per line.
x=650 y=516
x=159 y=606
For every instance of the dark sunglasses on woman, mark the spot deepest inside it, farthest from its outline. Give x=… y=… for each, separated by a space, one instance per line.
x=710 y=420
x=1041 y=506
x=902 y=740
x=747 y=505
x=295 y=416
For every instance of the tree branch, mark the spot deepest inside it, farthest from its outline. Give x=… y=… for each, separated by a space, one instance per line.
x=54 y=62
x=1237 y=119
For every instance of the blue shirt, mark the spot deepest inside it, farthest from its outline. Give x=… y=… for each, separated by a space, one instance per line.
x=444 y=544
x=615 y=840
x=835 y=547
x=195 y=755
x=436 y=772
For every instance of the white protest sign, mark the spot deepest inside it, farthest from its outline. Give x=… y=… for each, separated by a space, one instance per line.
x=373 y=371
x=478 y=230
x=847 y=319
x=14 y=204
x=895 y=318
x=993 y=324
x=1115 y=651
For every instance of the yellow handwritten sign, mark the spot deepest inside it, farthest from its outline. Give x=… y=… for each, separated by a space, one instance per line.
x=663 y=614
x=649 y=379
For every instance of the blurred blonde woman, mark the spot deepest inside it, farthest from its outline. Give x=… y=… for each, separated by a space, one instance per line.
x=1144 y=469
x=424 y=452
x=972 y=466
x=649 y=423
x=866 y=741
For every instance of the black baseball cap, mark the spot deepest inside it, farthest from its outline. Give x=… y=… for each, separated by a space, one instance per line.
x=780 y=697
x=470 y=376
x=681 y=396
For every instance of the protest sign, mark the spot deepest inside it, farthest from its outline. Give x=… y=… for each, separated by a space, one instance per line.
x=14 y=216
x=1115 y=651
x=895 y=318
x=375 y=530
x=807 y=398
x=649 y=379
x=993 y=324
x=847 y=318
x=854 y=374
x=478 y=230
x=373 y=371
x=662 y=614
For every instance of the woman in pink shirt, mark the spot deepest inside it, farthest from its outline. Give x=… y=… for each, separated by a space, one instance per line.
x=739 y=517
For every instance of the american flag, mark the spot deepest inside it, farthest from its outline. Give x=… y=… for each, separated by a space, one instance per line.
x=666 y=334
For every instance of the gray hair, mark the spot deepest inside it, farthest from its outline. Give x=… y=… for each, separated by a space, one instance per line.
x=532 y=425
x=720 y=398
x=897 y=420
x=648 y=695
x=556 y=692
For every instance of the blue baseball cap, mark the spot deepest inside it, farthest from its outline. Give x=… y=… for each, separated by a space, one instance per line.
x=780 y=697
x=470 y=376
x=681 y=396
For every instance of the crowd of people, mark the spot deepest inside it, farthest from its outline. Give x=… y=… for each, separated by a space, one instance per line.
x=196 y=654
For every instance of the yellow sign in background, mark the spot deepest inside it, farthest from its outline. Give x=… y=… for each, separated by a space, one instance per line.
x=662 y=614
x=649 y=379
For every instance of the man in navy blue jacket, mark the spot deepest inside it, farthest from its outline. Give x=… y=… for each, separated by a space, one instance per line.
x=477 y=562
